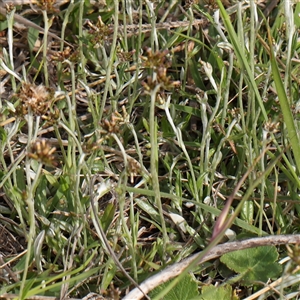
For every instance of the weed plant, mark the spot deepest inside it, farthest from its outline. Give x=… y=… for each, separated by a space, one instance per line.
x=120 y=149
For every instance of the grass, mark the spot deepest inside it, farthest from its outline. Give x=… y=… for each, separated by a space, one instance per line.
x=126 y=151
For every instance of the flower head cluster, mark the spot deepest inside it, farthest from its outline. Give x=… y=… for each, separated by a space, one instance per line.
x=158 y=62
x=43 y=152
x=36 y=100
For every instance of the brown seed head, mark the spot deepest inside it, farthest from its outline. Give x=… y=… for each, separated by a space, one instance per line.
x=43 y=152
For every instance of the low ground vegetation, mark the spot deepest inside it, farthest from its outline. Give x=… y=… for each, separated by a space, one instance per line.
x=139 y=133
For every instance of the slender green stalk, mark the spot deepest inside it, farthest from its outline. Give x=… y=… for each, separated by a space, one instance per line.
x=80 y=43
x=152 y=16
x=285 y=107
x=10 y=21
x=154 y=165
x=238 y=48
x=121 y=186
x=30 y=195
x=290 y=31
x=63 y=32
x=45 y=48
x=111 y=59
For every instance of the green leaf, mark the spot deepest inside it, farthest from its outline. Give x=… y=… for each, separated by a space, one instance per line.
x=32 y=37
x=297 y=15
x=108 y=216
x=3 y=23
x=145 y=206
x=3 y=135
x=21 y=180
x=41 y=195
x=254 y=264
x=51 y=179
x=221 y=292
x=247 y=211
x=187 y=288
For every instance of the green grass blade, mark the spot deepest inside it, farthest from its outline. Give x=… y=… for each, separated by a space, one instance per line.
x=285 y=107
x=238 y=48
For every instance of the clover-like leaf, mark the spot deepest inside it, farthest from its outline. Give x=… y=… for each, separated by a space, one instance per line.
x=221 y=292
x=186 y=289
x=254 y=264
